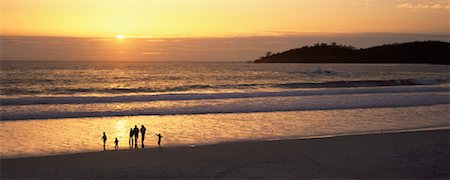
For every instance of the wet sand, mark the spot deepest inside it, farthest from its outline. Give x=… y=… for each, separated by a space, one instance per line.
x=423 y=154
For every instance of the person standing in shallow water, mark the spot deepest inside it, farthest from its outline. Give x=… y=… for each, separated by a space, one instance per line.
x=117 y=144
x=143 y=129
x=159 y=139
x=130 y=141
x=104 y=140
x=136 y=135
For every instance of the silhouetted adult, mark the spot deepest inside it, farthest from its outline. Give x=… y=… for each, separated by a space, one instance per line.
x=130 y=141
x=136 y=135
x=117 y=144
x=104 y=140
x=159 y=139
x=143 y=129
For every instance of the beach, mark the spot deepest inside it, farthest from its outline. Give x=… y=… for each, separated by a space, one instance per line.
x=421 y=154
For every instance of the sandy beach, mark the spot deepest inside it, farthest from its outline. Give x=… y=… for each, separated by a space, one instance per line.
x=422 y=154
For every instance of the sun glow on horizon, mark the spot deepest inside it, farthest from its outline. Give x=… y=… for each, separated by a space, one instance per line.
x=120 y=36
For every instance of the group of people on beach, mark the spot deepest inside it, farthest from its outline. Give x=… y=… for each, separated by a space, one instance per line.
x=134 y=136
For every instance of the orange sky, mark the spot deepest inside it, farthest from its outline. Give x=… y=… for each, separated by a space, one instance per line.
x=197 y=18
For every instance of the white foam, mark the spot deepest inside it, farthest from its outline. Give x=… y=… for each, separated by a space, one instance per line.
x=238 y=105
x=228 y=95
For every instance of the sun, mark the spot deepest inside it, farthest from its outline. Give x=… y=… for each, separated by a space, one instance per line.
x=120 y=36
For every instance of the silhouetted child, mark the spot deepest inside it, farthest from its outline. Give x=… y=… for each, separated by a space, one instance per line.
x=159 y=139
x=143 y=134
x=104 y=140
x=130 y=141
x=117 y=144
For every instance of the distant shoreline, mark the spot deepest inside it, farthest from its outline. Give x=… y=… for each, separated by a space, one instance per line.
x=419 y=154
x=425 y=52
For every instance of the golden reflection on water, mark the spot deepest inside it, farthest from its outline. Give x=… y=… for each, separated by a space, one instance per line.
x=44 y=137
x=121 y=130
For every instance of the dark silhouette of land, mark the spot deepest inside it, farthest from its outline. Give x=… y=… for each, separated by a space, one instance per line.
x=430 y=52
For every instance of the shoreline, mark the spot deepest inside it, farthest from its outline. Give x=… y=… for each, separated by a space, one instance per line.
x=414 y=154
x=423 y=129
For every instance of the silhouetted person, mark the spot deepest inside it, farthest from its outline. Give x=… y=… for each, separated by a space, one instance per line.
x=136 y=135
x=117 y=144
x=104 y=140
x=143 y=134
x=159 y=139
x=130 y=141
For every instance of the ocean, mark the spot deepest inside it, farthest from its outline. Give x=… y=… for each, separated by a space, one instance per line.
x=50 y=108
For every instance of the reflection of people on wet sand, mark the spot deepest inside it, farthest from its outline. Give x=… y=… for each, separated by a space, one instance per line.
x=117 y=144
x=136 y=135
x=159 y=139
x=143 y=134
x=130 y=141
x=104 y=140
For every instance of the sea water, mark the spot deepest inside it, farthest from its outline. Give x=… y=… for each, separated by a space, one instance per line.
x=63 y=107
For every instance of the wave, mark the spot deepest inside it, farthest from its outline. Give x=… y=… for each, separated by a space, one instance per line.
x=11 y=91
x=227 y=95
x=365 y=83
x=206 y=106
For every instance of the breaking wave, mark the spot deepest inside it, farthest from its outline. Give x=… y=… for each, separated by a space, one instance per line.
x=290 y=89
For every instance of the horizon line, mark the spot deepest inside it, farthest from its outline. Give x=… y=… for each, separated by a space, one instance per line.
x=291 y=34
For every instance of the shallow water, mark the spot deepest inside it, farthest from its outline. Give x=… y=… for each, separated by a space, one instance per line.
x=60 y=136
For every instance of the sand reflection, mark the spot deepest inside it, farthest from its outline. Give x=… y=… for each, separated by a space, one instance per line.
x=45 y=137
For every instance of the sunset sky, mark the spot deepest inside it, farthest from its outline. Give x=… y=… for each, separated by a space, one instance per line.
x=201 y=18
x=200 y=30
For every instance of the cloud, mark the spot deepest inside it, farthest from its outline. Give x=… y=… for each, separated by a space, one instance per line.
x=425 y=6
